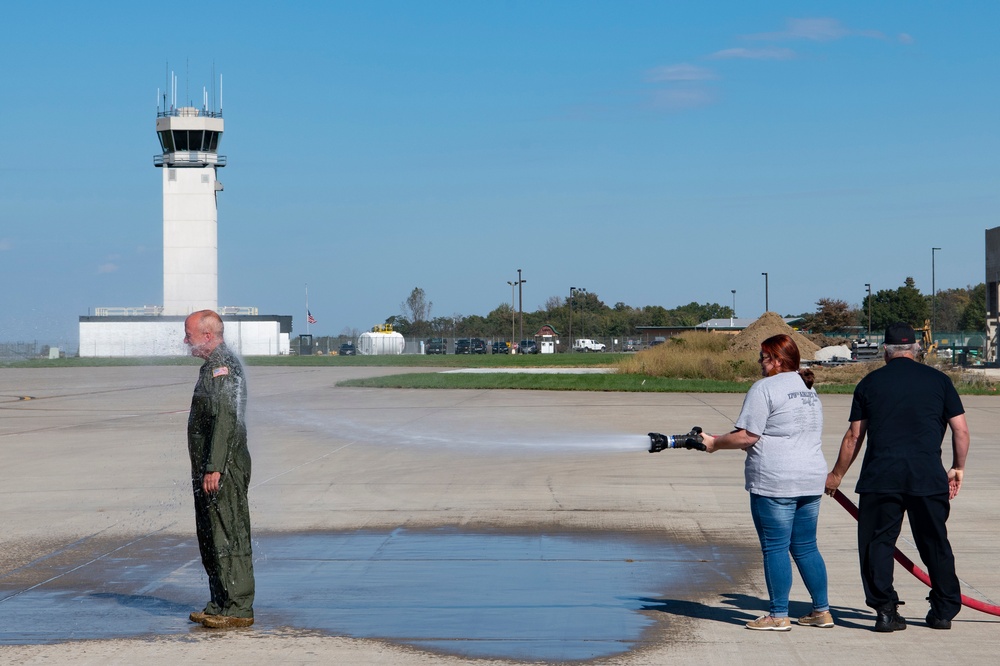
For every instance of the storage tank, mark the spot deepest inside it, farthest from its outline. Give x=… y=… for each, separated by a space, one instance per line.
x=381 y=341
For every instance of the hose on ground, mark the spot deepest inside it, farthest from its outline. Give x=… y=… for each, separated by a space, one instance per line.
x=908 y=564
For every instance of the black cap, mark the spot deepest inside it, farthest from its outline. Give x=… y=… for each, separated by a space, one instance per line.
x=900 y=333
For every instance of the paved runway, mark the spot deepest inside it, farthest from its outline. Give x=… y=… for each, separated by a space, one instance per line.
x=416 y=527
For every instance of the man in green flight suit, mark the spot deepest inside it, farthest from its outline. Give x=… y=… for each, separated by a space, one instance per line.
x=220 y=475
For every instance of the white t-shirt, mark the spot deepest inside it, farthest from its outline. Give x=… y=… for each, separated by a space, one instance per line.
x=787 y=460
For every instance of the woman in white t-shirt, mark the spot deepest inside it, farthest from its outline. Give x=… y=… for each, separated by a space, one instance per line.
x=780 y=428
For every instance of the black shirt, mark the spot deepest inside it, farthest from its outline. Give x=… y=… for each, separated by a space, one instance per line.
x=907 y=406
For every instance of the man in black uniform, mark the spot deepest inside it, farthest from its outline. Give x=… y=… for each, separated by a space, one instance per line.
x=220 y=475
x=904 y=409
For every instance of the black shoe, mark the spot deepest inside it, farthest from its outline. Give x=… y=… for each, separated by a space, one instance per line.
x=889 y=619
x=935 y=622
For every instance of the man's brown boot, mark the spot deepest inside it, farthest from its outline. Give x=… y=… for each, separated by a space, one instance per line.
x=226 y=622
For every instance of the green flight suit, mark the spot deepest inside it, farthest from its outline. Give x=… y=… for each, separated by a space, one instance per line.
x=217 y=442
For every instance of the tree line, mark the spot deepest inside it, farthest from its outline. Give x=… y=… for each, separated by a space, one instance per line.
x=955 y=310
x=591 y=318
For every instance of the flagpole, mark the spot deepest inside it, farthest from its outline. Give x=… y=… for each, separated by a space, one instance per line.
x=307 y=308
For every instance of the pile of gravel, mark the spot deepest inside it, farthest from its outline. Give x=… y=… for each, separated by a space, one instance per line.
x=833 y=352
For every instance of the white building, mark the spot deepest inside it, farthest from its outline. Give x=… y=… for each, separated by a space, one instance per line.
x=109 y=336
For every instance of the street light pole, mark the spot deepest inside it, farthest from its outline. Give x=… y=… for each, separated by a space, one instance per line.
x=732 y=319
x=569 y=345
x=512 y=311
x=767 y=307
x=520 y=301
x=933 y=296
x=869 y=312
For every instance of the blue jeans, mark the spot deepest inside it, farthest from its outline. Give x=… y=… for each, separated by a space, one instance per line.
x=788 y=525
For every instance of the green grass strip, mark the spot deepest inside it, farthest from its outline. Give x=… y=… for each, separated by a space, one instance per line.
x=545 y=382
x=559 y=382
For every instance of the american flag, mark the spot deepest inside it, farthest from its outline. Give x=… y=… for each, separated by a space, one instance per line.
x=310 y=318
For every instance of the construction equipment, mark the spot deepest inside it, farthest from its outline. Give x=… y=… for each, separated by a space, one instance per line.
x=863 y=349
x=927 y=344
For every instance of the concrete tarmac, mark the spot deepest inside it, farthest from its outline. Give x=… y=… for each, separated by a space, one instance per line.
x=445 y=527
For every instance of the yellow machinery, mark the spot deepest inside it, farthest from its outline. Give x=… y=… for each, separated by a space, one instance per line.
x=927 y=343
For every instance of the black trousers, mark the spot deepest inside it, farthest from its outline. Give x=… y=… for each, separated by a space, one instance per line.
x=880 y=517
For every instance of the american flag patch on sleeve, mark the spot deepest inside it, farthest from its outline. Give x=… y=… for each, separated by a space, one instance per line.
x=219 y=372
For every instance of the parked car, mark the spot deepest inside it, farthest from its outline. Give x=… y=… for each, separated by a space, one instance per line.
x=436 y=346
x=500 y=348
x=588 y=345
x=478 y=346
x=347 y=349
x=528 y=347
x=463 y=346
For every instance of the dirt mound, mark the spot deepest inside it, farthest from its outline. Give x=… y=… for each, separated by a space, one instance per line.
x=771 y=323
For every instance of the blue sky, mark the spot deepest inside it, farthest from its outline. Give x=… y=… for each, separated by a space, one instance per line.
x=655 y=153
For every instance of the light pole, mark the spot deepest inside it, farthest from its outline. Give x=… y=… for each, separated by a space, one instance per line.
x=767 y=308
x=570 y=302
x=869 y=312
x=733 y=318
x=583 y=320
x=512 y=311
x=520 y=301
x=933 y=296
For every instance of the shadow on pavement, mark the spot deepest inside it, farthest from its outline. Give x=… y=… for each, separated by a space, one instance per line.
x=738 y=609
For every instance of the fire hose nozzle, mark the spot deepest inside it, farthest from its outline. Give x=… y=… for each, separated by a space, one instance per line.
x=692 y=440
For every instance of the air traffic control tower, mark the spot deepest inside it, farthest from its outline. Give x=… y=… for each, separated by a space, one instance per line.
x=189 y=157
x=189 y=138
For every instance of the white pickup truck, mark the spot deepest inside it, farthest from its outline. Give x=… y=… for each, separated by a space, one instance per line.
x=588 y=345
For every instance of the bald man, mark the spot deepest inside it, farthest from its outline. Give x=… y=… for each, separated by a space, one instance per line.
x=220 y=475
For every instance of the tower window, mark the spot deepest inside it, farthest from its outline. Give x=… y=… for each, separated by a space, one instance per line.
x=189 y=141
x=166 y=141
x=195 y=140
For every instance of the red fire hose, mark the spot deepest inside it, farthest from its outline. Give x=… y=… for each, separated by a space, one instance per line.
x=908 y=564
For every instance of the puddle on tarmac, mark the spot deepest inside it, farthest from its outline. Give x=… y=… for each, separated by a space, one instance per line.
x=536 y=596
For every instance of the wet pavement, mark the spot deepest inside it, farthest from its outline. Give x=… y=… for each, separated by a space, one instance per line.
x=515 y=596
x=426 y=527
